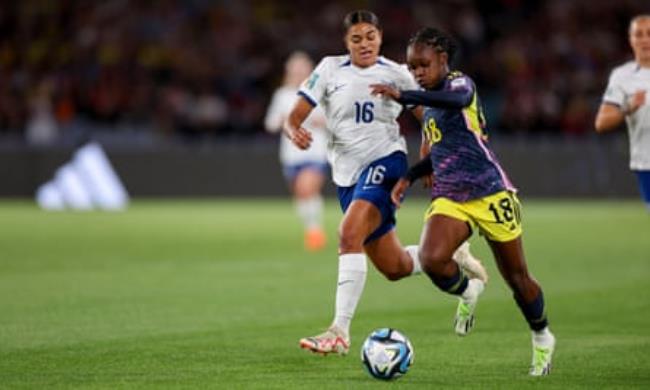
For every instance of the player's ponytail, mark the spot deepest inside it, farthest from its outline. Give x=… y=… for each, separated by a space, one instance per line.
x=437 y=39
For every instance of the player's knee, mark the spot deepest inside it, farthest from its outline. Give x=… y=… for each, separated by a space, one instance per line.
x=305 y=190
x=433 y=260
x=393 y=275
x=301 y=193
x=350 y=240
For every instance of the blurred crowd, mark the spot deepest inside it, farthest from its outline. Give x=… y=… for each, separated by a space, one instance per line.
x=200 y=70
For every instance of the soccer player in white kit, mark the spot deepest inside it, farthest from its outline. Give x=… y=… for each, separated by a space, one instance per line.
x=368 y=156
x=626 y=99
x=304 y=170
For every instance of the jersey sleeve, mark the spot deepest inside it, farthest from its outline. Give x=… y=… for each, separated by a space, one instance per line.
x=314 y=87
x=614 y=94
x=457 y=93
x=275 y=113
x=462 y=83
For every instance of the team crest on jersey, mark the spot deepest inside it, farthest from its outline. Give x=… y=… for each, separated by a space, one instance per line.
x=458 y=83
x=432 y=132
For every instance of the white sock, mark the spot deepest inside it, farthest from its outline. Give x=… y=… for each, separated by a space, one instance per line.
x=412 y=251
x=543 y=338
x=474 y=289
x=352 y=278
x=310 y=211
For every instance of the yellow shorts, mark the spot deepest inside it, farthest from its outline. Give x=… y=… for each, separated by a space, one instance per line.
x=497 y=216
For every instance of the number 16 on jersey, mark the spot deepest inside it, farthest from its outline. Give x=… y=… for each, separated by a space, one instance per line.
x=363 y=112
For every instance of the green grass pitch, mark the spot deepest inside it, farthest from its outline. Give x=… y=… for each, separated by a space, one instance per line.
x=217 y=293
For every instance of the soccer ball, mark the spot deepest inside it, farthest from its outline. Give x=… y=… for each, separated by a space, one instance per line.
x=387 y=354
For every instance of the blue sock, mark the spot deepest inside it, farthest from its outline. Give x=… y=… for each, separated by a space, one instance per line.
x=455 y=285
x=534 y=312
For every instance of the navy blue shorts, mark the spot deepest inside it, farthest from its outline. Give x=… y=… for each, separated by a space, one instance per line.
x=291 y=171
x=644 y=185
x=374 y=185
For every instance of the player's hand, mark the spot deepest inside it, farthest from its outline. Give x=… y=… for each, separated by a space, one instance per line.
x=385 y=91
x=635 y=101
x=300 y=137
x=399 y=189
x=427 y=181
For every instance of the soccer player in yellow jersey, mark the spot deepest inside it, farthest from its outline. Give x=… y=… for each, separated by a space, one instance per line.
x=368 y=156
x=470 y=190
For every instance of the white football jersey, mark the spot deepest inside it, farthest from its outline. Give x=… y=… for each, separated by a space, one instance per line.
x=281 y=104
x=624 y=81
x=363 y=127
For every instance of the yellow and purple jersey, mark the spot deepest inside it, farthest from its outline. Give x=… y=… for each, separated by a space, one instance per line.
x=464 y=166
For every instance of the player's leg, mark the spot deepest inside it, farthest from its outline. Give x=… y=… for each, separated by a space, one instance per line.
x=368 y=215
x=391 y=259
x=530 y=299
x=382 y=246
x=361 y=218
x=396 y=262
x=644 y=186
x=359 y=221
x=307 y=187
x=501 y=225
x=441 y=237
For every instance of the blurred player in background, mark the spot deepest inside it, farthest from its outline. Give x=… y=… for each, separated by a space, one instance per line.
x=626 y=99
x=368 y=155
x=304 y=170
x=470 y=190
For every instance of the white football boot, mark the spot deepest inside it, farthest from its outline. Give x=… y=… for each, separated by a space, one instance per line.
x=543 y=347
x=470 y=264
x=333 y=340
x=464 y=320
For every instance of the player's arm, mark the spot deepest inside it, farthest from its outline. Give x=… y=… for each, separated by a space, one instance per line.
x=310 y=93
x=610 y=115
x=418 y=113
x=455 y=98
x=293 y=129
x=425 y=146
x=444 y=99
x=274 y=120
x=425 y=150
x=423 y=168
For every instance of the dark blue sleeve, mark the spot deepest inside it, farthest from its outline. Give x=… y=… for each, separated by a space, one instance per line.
x=444 y=99
x=422 y=168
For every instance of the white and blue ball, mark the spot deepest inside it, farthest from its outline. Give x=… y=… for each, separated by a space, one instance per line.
x=387 y=354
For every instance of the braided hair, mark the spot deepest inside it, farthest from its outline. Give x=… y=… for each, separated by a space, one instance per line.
x=360 y=16
x=436 y=39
